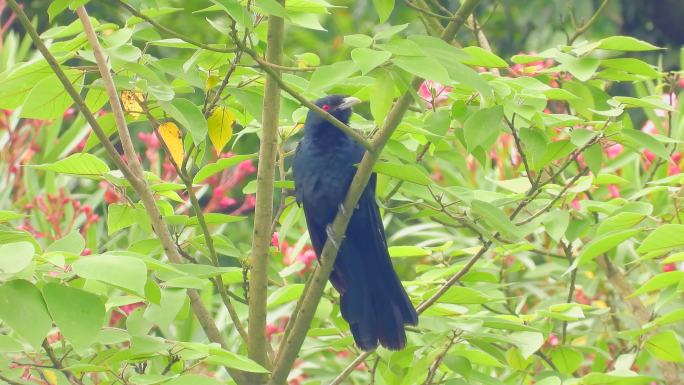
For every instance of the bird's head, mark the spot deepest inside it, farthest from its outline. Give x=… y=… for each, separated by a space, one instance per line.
x=339 y=106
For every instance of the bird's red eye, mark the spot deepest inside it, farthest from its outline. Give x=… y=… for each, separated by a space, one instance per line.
x=326 y=107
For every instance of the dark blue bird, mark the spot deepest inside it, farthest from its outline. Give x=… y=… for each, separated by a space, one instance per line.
x=373 y=301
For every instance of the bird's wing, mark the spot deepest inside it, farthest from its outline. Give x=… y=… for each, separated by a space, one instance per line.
x=298 y=191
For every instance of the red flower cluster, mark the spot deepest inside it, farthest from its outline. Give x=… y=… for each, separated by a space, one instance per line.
x=227 y=181
x=306 y=256
x=54 y=208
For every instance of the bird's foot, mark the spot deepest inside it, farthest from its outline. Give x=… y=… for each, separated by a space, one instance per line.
x=342 y=209
x=331 y=237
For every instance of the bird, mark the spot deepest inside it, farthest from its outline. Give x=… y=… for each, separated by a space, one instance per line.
x=372 y=298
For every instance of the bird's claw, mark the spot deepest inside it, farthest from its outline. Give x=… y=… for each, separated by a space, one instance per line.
x=331 y=237
x=342 y=209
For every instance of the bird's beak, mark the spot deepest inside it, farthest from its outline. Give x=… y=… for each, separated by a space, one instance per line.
x=348 y=102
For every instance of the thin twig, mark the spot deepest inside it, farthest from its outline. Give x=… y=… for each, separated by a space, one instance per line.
x=432 y=370
x=350 y=368
x=58 y=363
x=518 y=146
x=567 y=248
x=584 y=27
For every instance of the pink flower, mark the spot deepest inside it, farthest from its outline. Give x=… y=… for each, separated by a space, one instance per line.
x=669 y=267
x=613 y=150
x=614 y=191
x=307 y=257
x=649 y=128
x=226 y=202
x=150 y=140
x=553 y=340
x=576 y=204
x=433 y=93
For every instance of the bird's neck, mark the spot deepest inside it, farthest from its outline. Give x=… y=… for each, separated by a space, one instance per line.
x=325 y=135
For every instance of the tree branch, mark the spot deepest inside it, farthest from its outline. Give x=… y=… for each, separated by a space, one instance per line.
x=261 y=237
x=143 y=190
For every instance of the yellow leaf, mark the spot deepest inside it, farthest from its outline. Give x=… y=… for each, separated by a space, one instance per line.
x=131 y=102
x=211 y=82
x=50 y=376
x=220 y=125
x=599 y=304
x=171 y=136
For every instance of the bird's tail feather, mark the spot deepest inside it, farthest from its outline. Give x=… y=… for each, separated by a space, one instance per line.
x=376 y=306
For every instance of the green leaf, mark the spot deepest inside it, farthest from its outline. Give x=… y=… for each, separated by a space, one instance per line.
x=604 y=243
x=10 y=345
x=620 y=221
x=236 y=11
x=78 y=314
x=391 y=31
x=438 y=122
x=15 y=257
x=665 y=346
x=18 y=82
x=628 y=378
x=631 y=65
x=483 y=58
x=55 y=8
x=215 y=219
x=170 y=304
x=188 y=115
x=120 y=216
x=460 y=295
x=271 y=7
x=128 y=273
x=567 y=360
x=481 y=125
x=382 y=98
x=150 y=379
x=358 y=40
x=495 y=218
x=22 y=308
x=6 y=215
x=583 y=68
x=384 y=9
x=659 y=281
x=404 y=172
x=424 y=67
x=80 y=164
x=220 y=165
x=232 y=360
x=408 y=251
x=367 y=59
x=648 y=102
x=48 y=99
x=331 y=75
x=194 y=379
x=478 y=357
x=663 y=238
x=71 y=243
x=285 y=294
x=625 y=43
x=527 y=342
